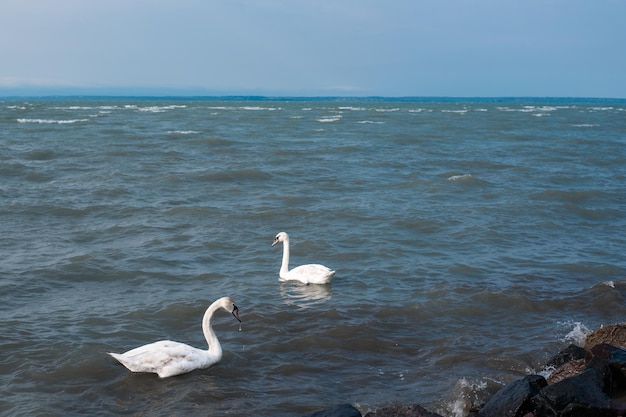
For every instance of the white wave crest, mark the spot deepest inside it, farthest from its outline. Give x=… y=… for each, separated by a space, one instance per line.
x=182 y=132
x=352 y=108
x=50 y=121
x=259 y=108
x=329 y=119
x=154 y=109
x=459 y=177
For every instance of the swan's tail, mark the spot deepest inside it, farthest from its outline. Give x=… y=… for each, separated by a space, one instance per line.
x=123 y=360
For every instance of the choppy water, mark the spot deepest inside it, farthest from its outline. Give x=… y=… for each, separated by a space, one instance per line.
x=471 y=239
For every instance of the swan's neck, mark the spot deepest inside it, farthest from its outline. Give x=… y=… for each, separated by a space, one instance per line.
x=284 y=268
x=215 y=349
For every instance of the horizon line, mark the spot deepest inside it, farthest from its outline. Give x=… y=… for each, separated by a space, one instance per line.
x=261 y=97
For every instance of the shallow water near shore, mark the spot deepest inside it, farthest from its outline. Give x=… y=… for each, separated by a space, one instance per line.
x=472 y=240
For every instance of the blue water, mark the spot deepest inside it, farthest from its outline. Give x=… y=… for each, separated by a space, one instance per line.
x=472 y=239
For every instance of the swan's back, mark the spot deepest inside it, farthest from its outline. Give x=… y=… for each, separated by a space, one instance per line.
x=167 y=358
x=310 y=274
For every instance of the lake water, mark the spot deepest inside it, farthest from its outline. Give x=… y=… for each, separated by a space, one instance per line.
x=472 y=240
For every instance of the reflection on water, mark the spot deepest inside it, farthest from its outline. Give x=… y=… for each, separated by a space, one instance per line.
x=304 y=296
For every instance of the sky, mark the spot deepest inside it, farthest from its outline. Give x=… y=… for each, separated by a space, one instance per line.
x=394 y=48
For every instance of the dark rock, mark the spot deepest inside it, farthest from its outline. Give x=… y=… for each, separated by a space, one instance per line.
x=605 y=351
x=343 y=410
x=615 y=357
x=414 y=410
x=513 y=400
x=570 y=353
x=603 y=371
x=578 y=396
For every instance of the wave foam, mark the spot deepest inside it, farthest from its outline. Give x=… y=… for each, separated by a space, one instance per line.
x=578 y=334
x=182 y=132
x=467 y=395
x=50 y=121
x=154 y=109
x=459 y=177
x=329 y=119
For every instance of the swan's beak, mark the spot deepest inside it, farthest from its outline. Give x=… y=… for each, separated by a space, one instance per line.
x=236 y=313
x=275 y=241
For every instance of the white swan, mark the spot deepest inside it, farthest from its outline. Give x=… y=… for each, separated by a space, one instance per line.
x=308 y=274
x=167 y=358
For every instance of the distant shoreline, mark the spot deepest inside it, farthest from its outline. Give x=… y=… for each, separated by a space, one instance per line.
x=425 y=99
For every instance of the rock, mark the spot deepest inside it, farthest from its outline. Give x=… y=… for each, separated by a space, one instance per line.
x=615 y=356
x=603 y=371
x=570 y=353
x=343 y=410
x=567 y=370
x=613 y=335
x=414 y=410
x=513 y=400
x=580 y=395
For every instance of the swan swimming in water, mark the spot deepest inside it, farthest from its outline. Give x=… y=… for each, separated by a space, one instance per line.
x=167 y=358
x=308 y=274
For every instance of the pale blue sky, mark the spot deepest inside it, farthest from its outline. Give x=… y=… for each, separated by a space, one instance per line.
x=459 y=48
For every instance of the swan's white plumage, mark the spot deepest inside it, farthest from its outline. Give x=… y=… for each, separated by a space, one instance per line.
x=168 y=358
x=308 y=274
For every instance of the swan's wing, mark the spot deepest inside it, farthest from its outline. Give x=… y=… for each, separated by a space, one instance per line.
x=165 y=358
x=150 y=348
x=312 y=273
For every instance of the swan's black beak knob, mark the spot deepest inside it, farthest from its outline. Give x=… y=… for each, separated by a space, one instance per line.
x=236 y=313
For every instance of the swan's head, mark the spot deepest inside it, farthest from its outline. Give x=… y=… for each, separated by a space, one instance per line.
x=281 y=237
x=229 y=305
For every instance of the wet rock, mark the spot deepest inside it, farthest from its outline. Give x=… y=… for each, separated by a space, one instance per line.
x=603 y=371
x=580 y=395
x=615 y=356
x=613 y=335
x=414 y=410
x=343 y=410
x=569 y=354
x=567 y=370
x=513 y=400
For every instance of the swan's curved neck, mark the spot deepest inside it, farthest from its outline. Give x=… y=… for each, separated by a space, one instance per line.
x=284 y=268
x=215 y=349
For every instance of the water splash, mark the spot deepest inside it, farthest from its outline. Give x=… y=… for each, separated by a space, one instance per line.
x=578 y=334
x=467 y=395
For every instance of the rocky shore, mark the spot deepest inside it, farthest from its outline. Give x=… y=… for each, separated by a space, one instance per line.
x=587 y=381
